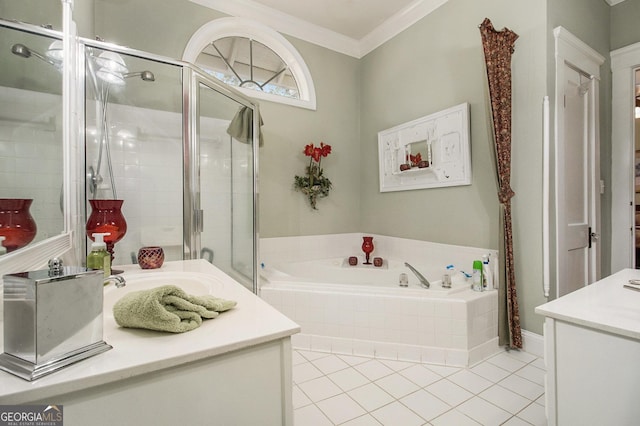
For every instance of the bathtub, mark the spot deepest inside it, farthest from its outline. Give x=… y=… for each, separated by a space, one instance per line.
x=363 y=311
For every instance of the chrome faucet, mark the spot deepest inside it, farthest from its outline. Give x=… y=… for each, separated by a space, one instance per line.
x=118 y=280
x=423 y=281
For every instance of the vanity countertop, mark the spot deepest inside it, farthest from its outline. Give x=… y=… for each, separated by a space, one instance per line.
x=136 y=352
x=604 y=305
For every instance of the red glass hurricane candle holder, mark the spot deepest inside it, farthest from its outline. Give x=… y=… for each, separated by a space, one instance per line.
x=367 y=248
x=150 y=257
x=106 y=217
x=16 y=223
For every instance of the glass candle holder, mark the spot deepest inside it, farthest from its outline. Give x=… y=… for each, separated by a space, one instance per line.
x=150 y=257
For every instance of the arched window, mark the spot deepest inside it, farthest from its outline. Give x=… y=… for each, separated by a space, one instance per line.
x=255 y=59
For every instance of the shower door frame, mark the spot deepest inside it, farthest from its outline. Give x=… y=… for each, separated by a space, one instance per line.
x=192 y=213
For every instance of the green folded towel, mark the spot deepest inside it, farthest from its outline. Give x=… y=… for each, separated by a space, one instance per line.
x=167 y=308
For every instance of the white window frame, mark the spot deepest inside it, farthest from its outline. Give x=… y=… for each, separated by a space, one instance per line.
x=241 y=27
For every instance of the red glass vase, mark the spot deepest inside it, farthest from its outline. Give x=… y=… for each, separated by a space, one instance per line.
x=16 y=223
x=367 y=248
x=106 y=217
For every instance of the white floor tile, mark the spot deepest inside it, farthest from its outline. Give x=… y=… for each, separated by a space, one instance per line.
x=490 y=371
x=348 y=379
x=330 y=364
x=532 y=373
x=420 y=375
x=541 y=401
x=319 y=389
x=396 y=365
x=396 y=414
x=523 y=356
x=396 y=385
x=305 y=372
x=366 y=420
x=534 y=414
x=453 y=417
x=299 y=398
x=523 y=387
x=353 y=360
x=507 y=362
x=505 y=399
x=539 y=362
x=470 y=381
x=313 y=355
x=341 y=408
x=310 y=416
x=443 y=370
x=296 y=358
x=514 y=421
x=370 y=396
x=373 y=369
x=484 y=412
x=426 y=405
x=449 y=392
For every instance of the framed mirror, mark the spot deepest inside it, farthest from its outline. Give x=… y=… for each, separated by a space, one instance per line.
x=429 y=152
x=31 y=138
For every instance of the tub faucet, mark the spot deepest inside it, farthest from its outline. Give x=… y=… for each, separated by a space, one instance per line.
x=118 y=280
x=423 y=281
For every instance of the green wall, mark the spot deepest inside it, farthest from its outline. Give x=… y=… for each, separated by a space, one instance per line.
x=625 y=24
x=438 y=63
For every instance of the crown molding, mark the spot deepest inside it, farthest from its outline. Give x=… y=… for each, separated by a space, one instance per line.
x=303 y=30
x=286 y=24
x=397 y=23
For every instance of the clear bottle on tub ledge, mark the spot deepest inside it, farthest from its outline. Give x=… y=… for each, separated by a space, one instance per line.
x=3 y=249
x=99 y=258
x=487 y=275
x=477 y=276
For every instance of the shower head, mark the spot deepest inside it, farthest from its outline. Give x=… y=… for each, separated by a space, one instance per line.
x=21 y=50
x=147 y=76
x=24 y=52
x=144 y=75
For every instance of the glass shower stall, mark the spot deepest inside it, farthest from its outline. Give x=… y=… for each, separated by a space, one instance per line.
x=178 y=149
x=159 y=134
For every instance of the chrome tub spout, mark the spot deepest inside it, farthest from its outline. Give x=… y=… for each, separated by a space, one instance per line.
x=118 y=280
x=423 y=281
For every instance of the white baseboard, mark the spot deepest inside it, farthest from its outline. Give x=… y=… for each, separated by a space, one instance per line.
x=533 y=343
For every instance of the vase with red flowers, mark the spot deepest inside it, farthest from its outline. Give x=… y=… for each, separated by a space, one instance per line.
x=314 y=184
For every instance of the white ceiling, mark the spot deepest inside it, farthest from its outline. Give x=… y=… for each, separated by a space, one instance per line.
x=352 y=27
x=352 y=18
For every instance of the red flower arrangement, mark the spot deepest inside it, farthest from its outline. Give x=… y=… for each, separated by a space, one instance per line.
x=314 y=185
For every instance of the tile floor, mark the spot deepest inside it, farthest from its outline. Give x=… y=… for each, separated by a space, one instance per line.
x=506 y=389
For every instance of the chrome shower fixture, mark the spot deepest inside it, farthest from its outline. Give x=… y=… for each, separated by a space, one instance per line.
x=113 y=69
x=53 y=55
x=144 y=75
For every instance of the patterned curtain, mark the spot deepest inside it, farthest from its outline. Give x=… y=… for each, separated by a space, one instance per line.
x=498 y=48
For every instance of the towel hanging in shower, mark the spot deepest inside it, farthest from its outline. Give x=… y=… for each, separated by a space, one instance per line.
x=241 y=126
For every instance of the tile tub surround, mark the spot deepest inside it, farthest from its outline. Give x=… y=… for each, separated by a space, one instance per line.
x=456 y=330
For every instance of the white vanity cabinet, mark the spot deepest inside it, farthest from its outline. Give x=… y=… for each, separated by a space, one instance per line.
x=592 y=354
x=232 y=370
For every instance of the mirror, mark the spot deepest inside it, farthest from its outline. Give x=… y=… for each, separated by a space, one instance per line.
x=31 y=148
x=429 y=152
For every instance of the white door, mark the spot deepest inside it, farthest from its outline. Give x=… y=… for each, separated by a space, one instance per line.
x=577 y=163
x=575 y=192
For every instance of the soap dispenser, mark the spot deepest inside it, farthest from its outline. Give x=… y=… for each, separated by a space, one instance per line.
x=3 y=249
x=99 y=258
